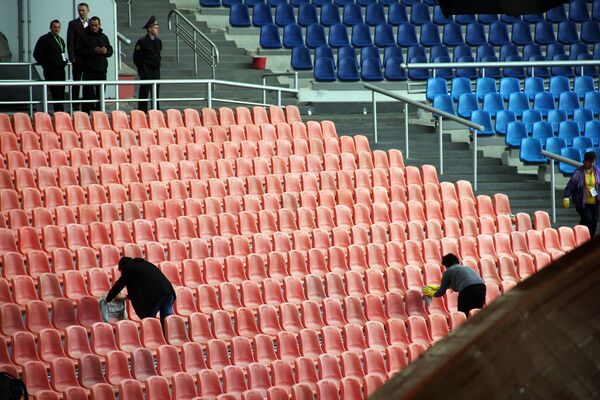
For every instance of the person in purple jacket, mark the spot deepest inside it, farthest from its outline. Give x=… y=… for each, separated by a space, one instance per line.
x=583 y=188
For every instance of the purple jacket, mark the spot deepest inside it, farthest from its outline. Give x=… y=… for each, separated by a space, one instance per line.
x=575 y=189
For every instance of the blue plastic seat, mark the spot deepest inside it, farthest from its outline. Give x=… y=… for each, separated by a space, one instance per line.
x=369 y=52
x=578 y=11
x=531 y=50
x=508 y=50
x=393 y=72
x=435 y=87
x=430 y=35
x=388 y=3
x=445 y=103
x=531 y=151
x=464 y=19
x=491 y=72
x=252 y=3
x=347 y=70
x=453 y=35
x=541 y=72
x=439 y=17
x=572 y=153
x=596 y=10
x=338 y=36
x=352 y=14
x=592 y=131
x=292 y=36
x=284 y=15
x=596 y=51
x=459 y=87
x=582 y=143
x=307 y=15
x=533 y=86
x=487 y=19
x=275 y=3
x=568 y=130
x=445 y=73
x=553 y=49
x=485 y=50
x=330 y=14
x=269 y=37
x=419 y=14
x=576 y=49
x=591 y=101
x=467 y=103
x=533 y=18
x=438 y=51
x=361 y=36
x=370 y=70
x=409 y=2
x=301 y=58
x=518 y=102
x=261 y=15
x=397 y=14
x=498 y=35
x=375 y=14
x=521 y=33
x=475 y=34
x=493 y=103
x=509 y=19
x=342 y=3
x=416 y=51
x=323 y=52
x=484 y=86
x=582 y=116
x=462 y=51
x=315 y=36
x=517 y=72
x=509 y=86
x=503 y=118
x=543 y=102
x=482 y=117
x=555 y=117
x=590 y=32
x=556 y=14
x=515 y=133
x=555 y=145
x=229 y=3
x=588 y=70
x=530 y=117
x=583 y=85
x=392 y=52
x=298 y=3
x=564 y=71
x=544 y=33
x=567 y=32
x=418 y=74
x=569 y=102
x=324 y=70
x=384 y=35
x=542 y=130
x=470 y=73
x=407 y=35
x=210 y=3
x=347 y=52
x=559 y=84
x=239 y=16
x=366 y=3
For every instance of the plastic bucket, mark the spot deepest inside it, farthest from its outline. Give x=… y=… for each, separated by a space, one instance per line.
x=259 y=62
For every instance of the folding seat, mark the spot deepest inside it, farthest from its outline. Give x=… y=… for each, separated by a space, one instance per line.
x=23 y=348
x=430 y=35
x=88 y=311
x=521 y=33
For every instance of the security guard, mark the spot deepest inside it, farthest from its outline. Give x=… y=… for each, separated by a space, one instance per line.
x=146 y=58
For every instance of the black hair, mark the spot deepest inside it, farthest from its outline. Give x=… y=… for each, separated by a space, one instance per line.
x=449 y=260
x=589 y=156
x=94 y=18
x=83 y=5
x=54 y=21
x=124 y=261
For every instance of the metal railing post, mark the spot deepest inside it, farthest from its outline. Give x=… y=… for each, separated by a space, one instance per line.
x=213 y=63
x=209 y=95
x=264 y=92
x=154 y=95
x=195 y=57
x=45 y=98
x=552 y=190
x=70 y=78
x=441 y=144
x=30 y=91
x=129 y=12
x=279 y=98
x=296 y=81
x=177 y=37
x=475 y=159
x=375 y=135
x=102 y=94
x=406 y=130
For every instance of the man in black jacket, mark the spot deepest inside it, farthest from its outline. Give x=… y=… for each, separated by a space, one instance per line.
x=93 y=50
x=75 y=32
x=148 y=289
x=146 y=58
x=50 y=53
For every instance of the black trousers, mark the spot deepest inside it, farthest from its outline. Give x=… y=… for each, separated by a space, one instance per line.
x=589 y=217
x=56 y=92
x=92 y=92
x=471 y=297
x=146 y=90
x=77 y=72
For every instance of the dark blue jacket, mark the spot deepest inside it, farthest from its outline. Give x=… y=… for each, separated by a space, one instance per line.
x=576 y=188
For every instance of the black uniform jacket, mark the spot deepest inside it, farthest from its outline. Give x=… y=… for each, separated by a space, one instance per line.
x=147 y=53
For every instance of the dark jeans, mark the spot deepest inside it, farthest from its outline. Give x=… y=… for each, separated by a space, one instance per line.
x=77 y=72
x=146 y=90
x=471 y=297
x=92 y=92
x=589 y=217
x=165 y=308
x=56 y=92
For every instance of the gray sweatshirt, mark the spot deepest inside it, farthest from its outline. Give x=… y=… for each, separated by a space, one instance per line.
x=458 y=277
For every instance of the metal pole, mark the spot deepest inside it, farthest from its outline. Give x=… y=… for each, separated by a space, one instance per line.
x=441 y=144
x=406 y=130
x=154 y=99
x=45 y=98
x=295 y=81
x=195 y=57
x=213 y=63
x=209 y=95
x=30 y=91
x=279 y=98
x=375 y=136
x=70 y=88
x=177 y=37
x=129 y=12
x=475 y=159
x=264 y=80
x=102 y=105
x=552 y=191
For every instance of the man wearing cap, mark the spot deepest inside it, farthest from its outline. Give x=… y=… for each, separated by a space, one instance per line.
x=146 y=58
x=50 y=53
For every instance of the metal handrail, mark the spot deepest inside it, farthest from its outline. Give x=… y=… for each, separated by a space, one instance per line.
x=126 y=40
x=208 y=52
x=440 y=114
x=557 y=157
x=293 y=74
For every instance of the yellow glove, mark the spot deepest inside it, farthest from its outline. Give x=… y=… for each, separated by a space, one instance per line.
x=428 y=291
x=566 y=202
